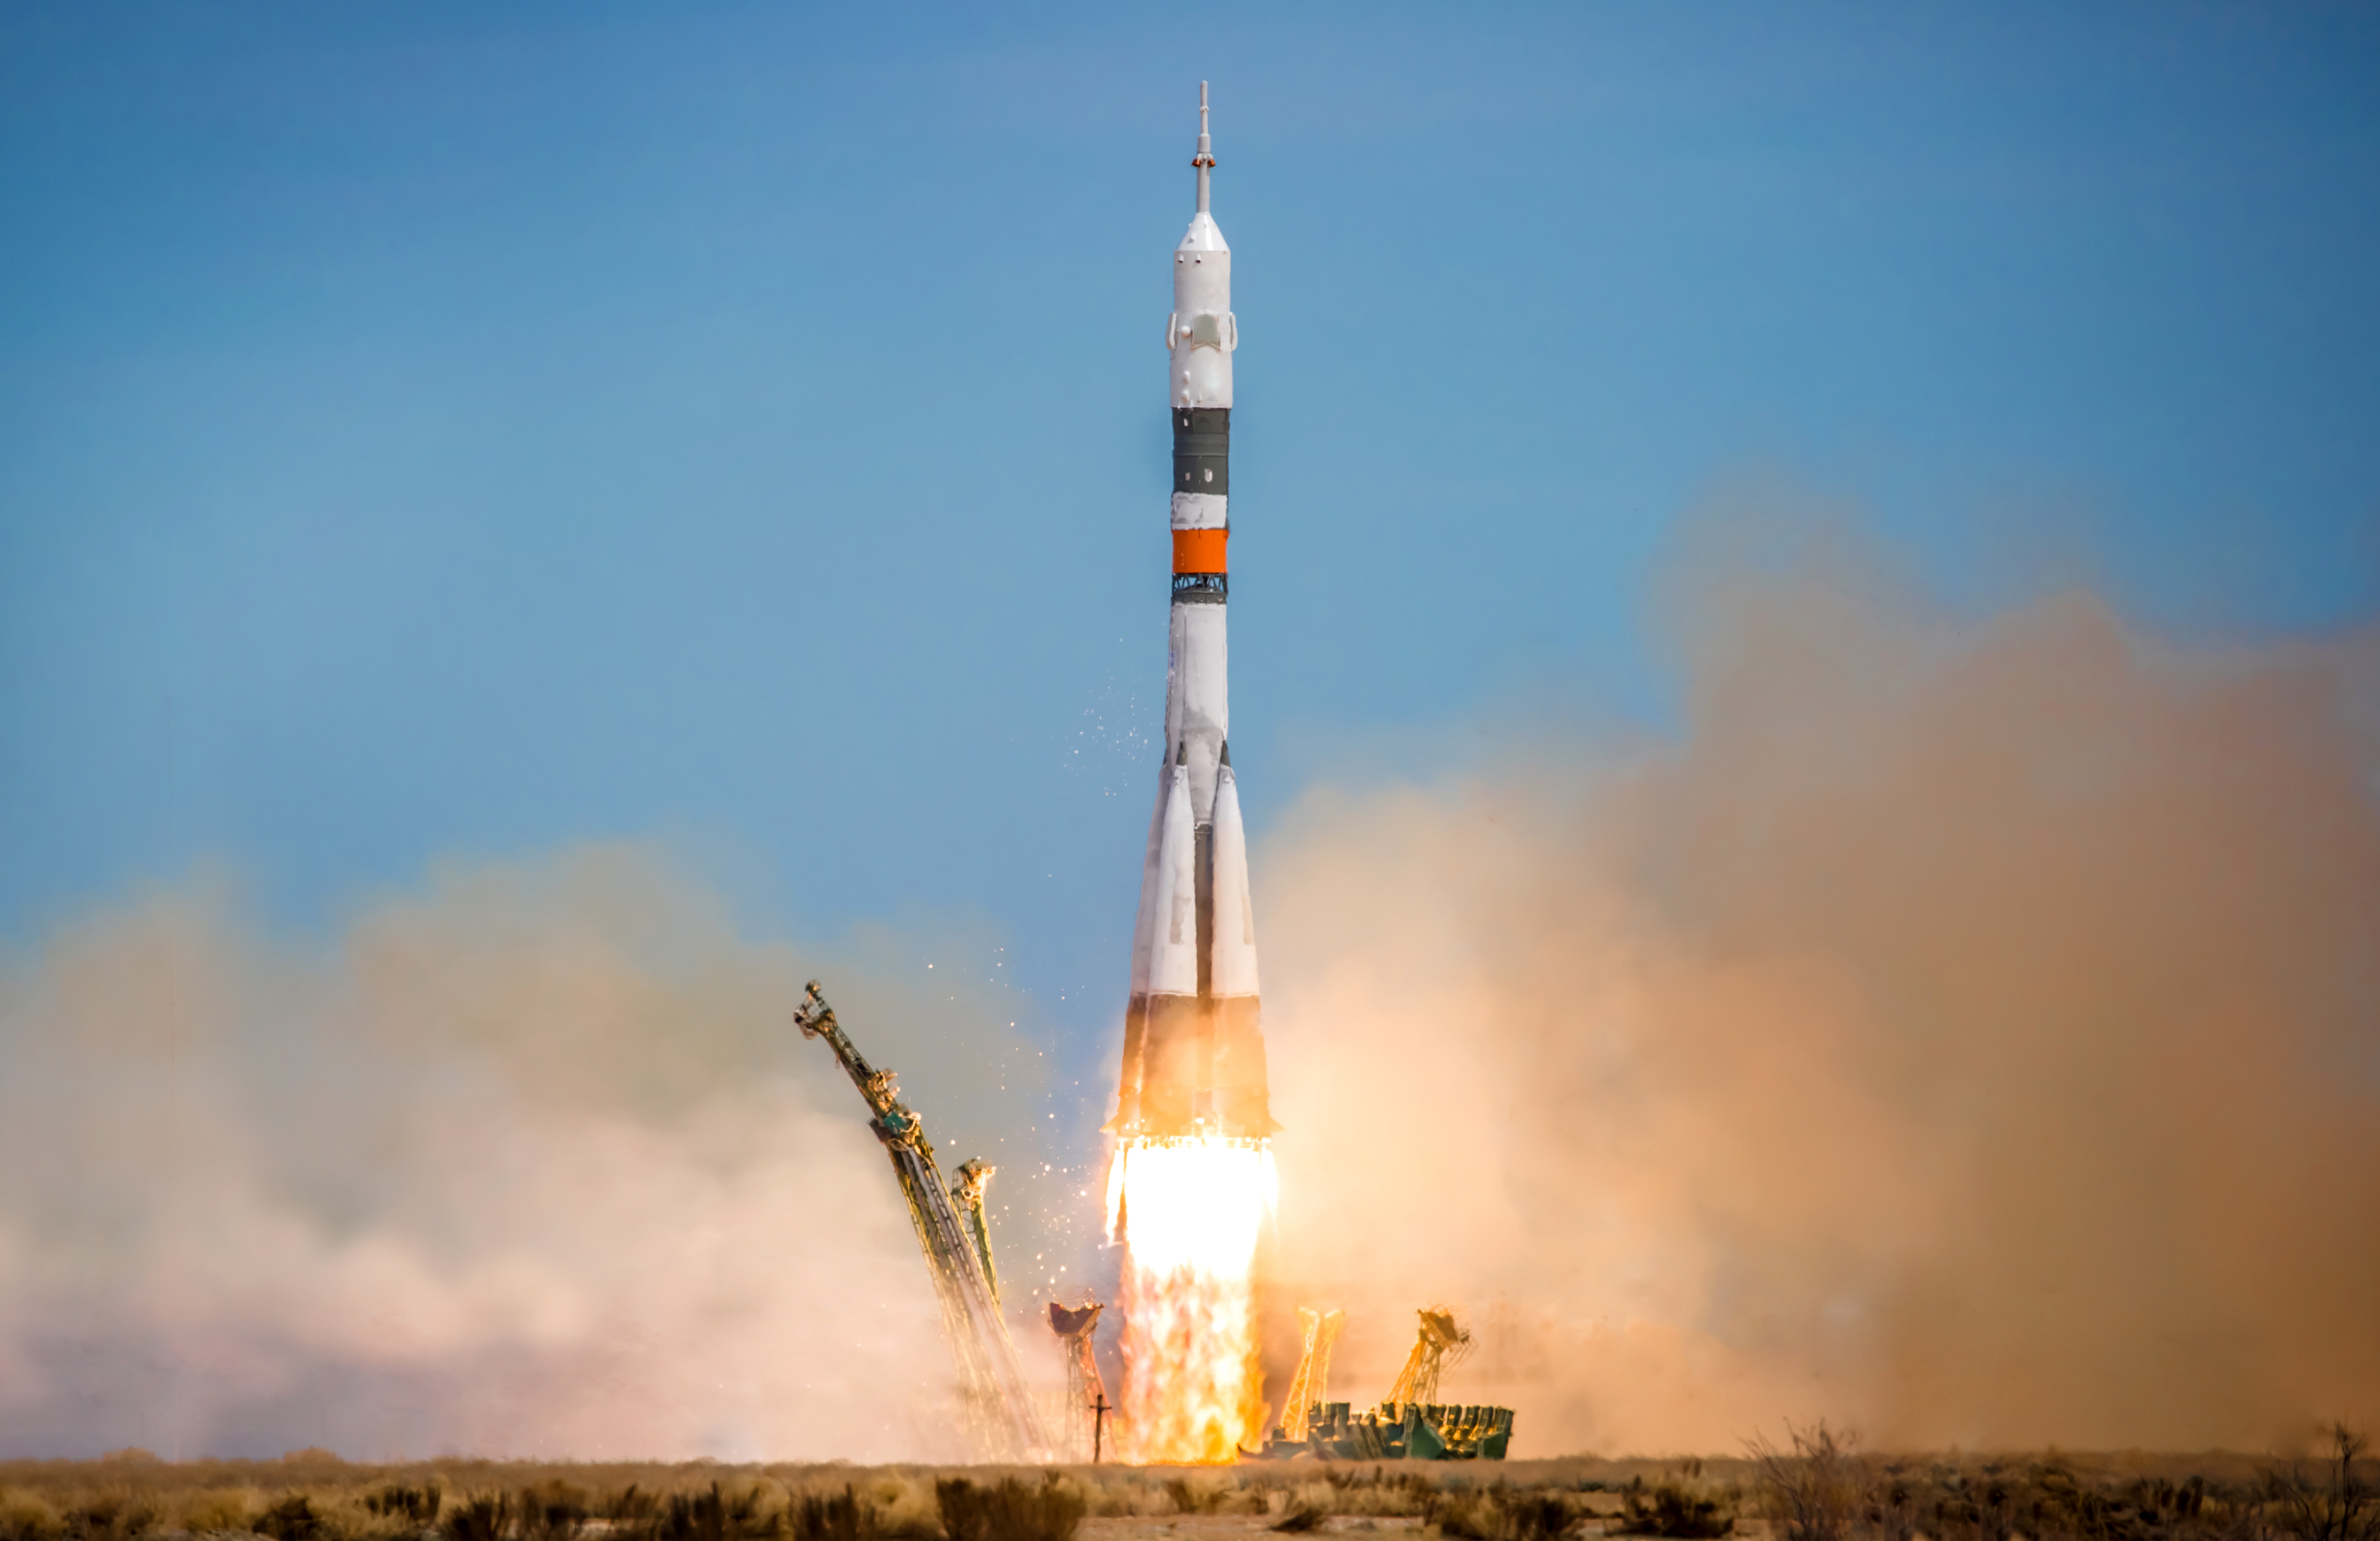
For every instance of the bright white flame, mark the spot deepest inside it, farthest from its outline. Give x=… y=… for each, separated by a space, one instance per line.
x=1192 y=1201
x=1191 y=1211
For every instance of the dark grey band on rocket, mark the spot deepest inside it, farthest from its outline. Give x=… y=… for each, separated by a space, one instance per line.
x=1201 y=587
x=1202 y=450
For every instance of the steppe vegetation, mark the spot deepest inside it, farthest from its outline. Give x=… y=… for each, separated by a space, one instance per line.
x=1816 y=1486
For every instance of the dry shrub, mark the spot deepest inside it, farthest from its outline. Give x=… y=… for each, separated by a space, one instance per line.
x=713 y=1515
x=905 y=1509
x=409 y=1503
x=1459 y=1514
x=1889 y=1511
x=219 y=1508
x=290 y=1517
x=1200 y=1496
x=1010 y=1509
x=884 y=1504
x=482 y=1517
x=1502 y=1513
x=844 y=1516
x=1379 y=1493
x=2333 y=1504
x=1302 y=1508
x=629 y=1509
x=552 y=1511
x=1818 y=1492
x=1536 y=1516
x=24 y=1517
x=109 y=1517
x=1978 y=1506
x=346 y=1516
x=1115 y=1492
x=2047 y=1500
x=1671 y=1509
x=888 y=1505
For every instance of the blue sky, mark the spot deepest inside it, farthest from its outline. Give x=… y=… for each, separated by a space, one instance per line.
x=442 y=431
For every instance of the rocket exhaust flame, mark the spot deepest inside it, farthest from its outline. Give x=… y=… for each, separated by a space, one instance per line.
x=1193 y=1176
x=1192 y=1209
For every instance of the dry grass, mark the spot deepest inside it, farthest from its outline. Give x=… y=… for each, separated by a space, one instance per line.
x=1821 y=1489
x=1818 y=1486
x=1011 y=1509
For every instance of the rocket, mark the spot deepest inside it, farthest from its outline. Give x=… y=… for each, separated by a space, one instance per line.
x=1193 y=1055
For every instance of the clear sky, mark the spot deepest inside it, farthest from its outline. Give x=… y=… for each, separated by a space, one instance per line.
x=452 y=430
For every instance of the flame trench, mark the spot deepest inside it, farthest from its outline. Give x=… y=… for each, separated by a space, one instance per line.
x=1189 y=1210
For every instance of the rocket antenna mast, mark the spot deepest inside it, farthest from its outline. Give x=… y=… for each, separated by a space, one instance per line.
x=1205 y=159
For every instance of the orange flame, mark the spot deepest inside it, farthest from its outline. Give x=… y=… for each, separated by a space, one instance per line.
x=1190 y=1210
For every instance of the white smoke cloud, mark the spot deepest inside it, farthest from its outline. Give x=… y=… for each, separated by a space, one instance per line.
x=530 y=1163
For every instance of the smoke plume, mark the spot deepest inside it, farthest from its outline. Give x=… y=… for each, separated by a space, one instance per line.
x=530 y=1163
x=1967 y=1030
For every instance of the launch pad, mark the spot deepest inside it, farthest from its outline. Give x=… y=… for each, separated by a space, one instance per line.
x=1409 y=1425
x=1394 y=1431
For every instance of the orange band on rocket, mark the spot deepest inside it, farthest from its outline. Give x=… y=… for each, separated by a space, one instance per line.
x=1200 y=550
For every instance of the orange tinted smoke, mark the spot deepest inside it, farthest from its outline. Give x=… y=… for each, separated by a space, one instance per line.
x=1200 y=550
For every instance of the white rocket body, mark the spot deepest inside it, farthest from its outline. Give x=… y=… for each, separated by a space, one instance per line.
x=1194 y=1059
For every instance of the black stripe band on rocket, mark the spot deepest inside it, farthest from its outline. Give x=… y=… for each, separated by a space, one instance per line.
x=1201 y=587
x=1202 y=450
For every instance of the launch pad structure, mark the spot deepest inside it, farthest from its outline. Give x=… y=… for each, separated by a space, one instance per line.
x=1003 y=1422
x=1312 y=1377
x=1411 y=1424
x=1083 y=1434
x=1442 y=1338
x=1401 y=1431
